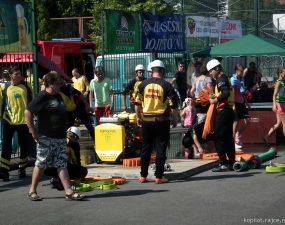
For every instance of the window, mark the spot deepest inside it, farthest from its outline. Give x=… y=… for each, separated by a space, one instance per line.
x=73 y=61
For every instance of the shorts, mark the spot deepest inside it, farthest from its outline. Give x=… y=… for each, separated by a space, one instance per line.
x=241 y=111
x=100 y=111
x=280 y=108
x=51 y=153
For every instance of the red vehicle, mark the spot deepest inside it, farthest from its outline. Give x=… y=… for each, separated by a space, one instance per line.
x=71 y=53
x=61 y=55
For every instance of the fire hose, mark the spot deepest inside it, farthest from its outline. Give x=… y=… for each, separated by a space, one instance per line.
x=255 y=161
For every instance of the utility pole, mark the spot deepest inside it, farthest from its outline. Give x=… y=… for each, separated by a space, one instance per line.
x=34 y=46
x=256 y=17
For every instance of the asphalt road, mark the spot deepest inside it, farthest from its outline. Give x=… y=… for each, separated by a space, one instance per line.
x=250 y=197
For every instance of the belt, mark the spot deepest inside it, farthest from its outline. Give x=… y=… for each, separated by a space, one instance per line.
x=155 y=119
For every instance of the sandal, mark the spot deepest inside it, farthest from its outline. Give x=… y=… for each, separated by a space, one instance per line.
x=70 y=197
x=34 y=198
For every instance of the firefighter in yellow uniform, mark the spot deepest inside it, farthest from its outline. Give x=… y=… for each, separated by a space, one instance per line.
x=156 y=98
x=131 y=88
x=16 y=95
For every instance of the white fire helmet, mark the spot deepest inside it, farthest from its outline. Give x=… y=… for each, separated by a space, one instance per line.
x=74 y=130
x=139 y=67
x=212 y=64
x=157 y=63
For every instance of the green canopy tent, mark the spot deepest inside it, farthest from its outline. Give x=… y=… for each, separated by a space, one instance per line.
x=248 y=45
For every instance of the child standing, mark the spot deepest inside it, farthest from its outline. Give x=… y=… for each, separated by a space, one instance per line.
x=188 y=112
x=241 y=112
x=278 y=104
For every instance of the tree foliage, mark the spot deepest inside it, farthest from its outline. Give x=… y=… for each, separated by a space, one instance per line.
x=45 y=29
x=244 y=10
x=214 y=8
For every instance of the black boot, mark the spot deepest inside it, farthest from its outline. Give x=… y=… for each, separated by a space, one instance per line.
x=4 y=174
x=22 y=173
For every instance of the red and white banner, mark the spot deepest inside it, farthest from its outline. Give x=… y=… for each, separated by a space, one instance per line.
x=199 y=26
x=230 y=29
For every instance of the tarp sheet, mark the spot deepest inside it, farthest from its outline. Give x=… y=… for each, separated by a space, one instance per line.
x=248 y=45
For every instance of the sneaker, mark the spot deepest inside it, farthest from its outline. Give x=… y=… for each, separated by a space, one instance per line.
x=221 y=168
x=237 y=146
x=237 y=140
x=265 y=141
x=22 y=173
x=161 y=180
x=238 y=150
x=143 y=179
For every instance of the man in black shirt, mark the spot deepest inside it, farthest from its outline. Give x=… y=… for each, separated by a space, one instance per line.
x=223 y=129
x=131 y=88
x=49 y=133
x=252 y=78
x=181 y=81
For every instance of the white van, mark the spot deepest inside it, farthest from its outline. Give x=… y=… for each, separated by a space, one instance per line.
x=120 y=68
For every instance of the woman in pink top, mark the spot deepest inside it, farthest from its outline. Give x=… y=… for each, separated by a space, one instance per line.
x=241 y=112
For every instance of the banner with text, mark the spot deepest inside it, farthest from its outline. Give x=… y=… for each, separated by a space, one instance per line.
x=123 y=32
x=229 y=30
x=199 y=26
x=162 y=33
x=15 y=32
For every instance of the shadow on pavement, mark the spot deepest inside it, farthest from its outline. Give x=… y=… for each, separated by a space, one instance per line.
x=124 y=193
x=222 y=175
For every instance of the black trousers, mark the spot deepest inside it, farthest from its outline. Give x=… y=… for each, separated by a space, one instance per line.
x=155 y=134
x=23 y=139
x=224 y=140
x=75 y=172
x=183 y=94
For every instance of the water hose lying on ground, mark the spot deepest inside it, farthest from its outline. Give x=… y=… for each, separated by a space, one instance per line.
x=240 y=166
x=256 y=161
x=84 y=186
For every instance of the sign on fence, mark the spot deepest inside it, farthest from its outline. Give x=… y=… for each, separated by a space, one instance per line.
x=15 y=35
x=122 y=31
x=162 y=33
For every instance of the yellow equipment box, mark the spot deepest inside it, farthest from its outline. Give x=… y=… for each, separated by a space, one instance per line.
x=110 y=141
